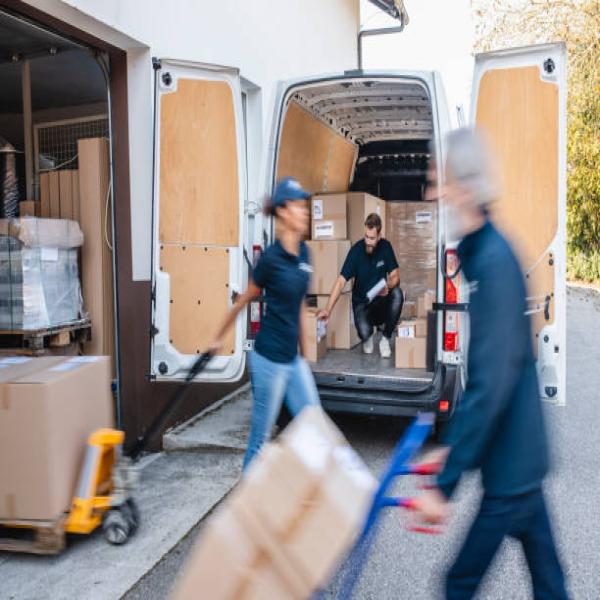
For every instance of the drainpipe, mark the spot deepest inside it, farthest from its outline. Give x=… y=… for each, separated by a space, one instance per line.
x=381 y=31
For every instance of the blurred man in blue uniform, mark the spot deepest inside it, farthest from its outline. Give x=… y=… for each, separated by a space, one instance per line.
x=498 y=428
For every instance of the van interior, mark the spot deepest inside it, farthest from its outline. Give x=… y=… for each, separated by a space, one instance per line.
x=367 y=135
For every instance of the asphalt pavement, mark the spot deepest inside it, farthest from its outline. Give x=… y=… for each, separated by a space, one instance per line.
x=407 y=565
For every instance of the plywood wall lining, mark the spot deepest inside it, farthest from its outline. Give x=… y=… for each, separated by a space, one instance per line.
x=339 y=168
x=519 y=112
x=200 y=296
x=309 y=150
x=199 y=179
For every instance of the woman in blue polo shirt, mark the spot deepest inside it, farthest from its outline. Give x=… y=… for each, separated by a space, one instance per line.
x=277 y=371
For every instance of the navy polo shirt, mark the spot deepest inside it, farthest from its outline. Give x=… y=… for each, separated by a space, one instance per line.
x=284 y=278
x=368 y=269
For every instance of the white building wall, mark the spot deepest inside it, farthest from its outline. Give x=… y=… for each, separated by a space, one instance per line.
x=267 y=40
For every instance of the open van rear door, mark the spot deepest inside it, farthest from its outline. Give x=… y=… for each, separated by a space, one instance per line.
x=519 y=100
x=198 y=264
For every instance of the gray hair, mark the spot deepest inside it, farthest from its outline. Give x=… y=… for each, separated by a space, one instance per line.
x=469 y=160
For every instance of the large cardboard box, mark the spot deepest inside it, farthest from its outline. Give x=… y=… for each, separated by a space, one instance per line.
x=409 y=309
x=341 y=331
x=328 y=217
x=411 y=353
x=360 y=206
x=411 y=228
x=292 y=519
x=316 y=340
x=327 y=258
x=231 y=563
x=425 y=304
x=47 y=411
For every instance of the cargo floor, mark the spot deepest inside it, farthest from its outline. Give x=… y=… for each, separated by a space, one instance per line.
x=355 y=362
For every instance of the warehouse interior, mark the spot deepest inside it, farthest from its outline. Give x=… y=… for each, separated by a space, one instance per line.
x=54 y=99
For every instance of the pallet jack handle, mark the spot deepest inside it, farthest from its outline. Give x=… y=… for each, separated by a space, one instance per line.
x=158 y=423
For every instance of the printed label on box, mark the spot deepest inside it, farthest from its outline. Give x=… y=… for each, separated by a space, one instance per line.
x=317 y=209
x=423 y=217
x=324 y=230
x=49 y=254
x=406 y=331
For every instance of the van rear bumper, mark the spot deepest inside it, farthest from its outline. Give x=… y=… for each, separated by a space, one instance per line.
x=403 y=401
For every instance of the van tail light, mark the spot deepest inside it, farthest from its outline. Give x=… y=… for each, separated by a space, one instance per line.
x=256 y=306
x=451 y=291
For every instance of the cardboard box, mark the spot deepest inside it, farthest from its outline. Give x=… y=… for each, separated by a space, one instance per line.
x=409 y=309
x=328 y=217
x=341 y=331
x=47 y=412
x=413 y=329
x=411 y=353
x=360 y=206
x=326 y=258
x=411 y=228
x=425 y=304
x=316 y=339
x=290 y=521
x=28 y=208
x=220 y=565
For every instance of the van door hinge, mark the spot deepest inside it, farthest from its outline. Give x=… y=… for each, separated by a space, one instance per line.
x=153 y=331
x=156 y=64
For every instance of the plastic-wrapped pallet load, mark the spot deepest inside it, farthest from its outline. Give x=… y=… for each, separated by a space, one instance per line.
x=39 y=275
x=411 y=228
x=291 y=520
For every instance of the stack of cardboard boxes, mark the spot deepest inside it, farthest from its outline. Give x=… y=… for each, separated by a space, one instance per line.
x=337 y=222
x=292 y=519
x=411 y=340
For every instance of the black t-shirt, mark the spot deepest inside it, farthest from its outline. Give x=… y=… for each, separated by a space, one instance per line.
x=368 y=269
x=284 y=278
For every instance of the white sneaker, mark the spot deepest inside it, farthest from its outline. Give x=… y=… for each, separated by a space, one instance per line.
x=384 y=347
x=368 y=346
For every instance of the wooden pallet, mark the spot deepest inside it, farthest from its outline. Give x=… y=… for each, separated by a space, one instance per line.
x=32 y=537
x=36 y=342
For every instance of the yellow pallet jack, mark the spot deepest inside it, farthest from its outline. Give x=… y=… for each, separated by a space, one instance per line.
x=109 y=476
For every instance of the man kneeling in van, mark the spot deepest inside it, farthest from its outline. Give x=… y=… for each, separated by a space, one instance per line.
x=376 y=296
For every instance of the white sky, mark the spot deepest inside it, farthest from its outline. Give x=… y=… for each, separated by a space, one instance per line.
x=438 y=37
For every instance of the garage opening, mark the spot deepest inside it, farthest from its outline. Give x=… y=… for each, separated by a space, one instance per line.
x=56 y=233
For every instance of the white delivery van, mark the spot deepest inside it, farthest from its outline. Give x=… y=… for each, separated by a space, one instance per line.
x=394 y=123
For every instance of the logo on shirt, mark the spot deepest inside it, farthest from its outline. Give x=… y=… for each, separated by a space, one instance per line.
x=380 y=264
x=305 y=267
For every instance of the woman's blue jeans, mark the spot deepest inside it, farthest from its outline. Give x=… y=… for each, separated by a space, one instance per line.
x=272 y=383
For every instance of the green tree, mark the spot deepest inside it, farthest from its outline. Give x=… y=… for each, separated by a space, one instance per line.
x=504 y=23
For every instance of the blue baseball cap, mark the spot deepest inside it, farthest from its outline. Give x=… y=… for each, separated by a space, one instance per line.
x=286 y=189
